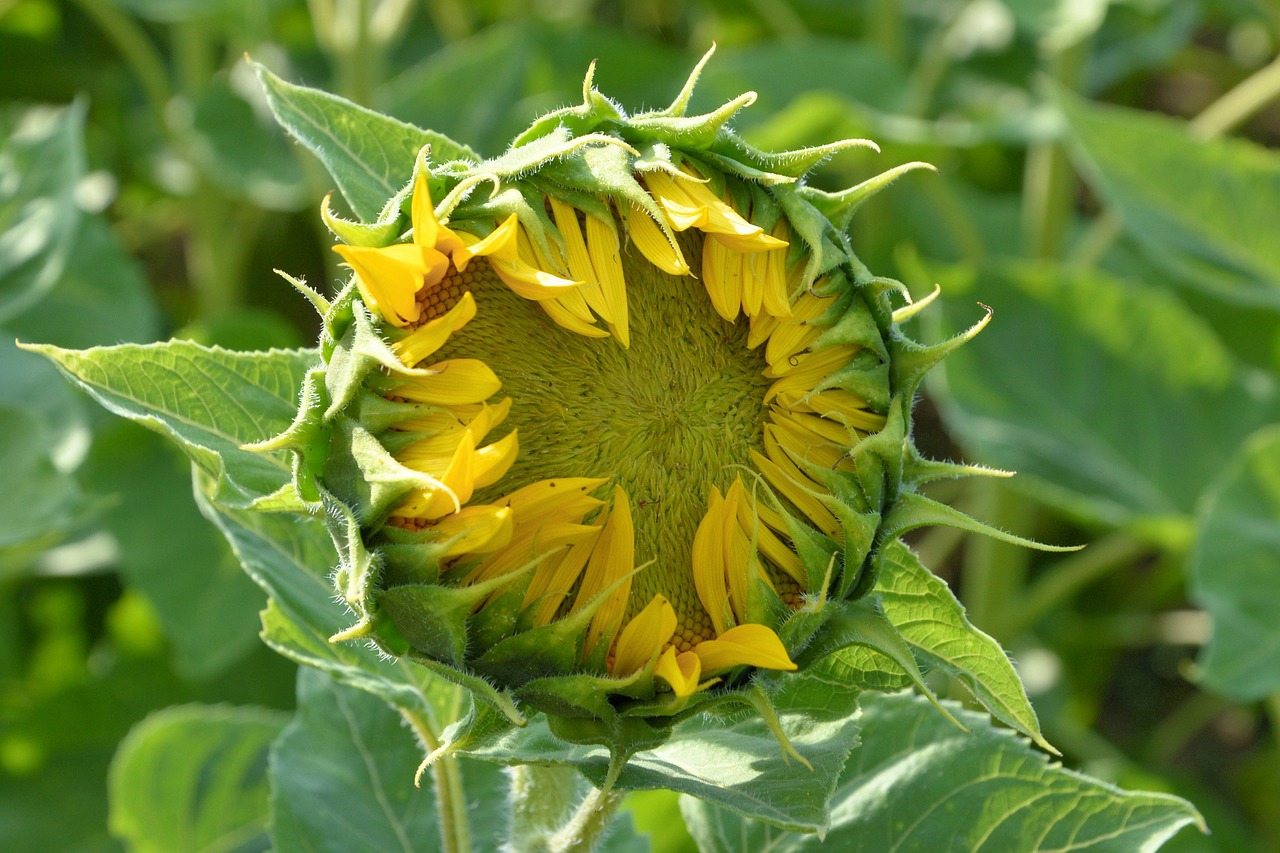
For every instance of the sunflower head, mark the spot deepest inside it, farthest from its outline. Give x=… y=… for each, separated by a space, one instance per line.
x=612 y=423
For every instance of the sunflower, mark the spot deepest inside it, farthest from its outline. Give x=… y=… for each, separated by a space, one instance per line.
x=625 y=430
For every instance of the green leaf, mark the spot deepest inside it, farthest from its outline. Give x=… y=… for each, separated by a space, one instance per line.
x=42 y=502
x=208 y=400
x=101 y=297
x=241 y=155
x=40 y=163
x=194 y=778
x=1108 y=396
x=1206 y=206
x=170 y=553
x=732 y=761
x=919 y=783
x=370 y=156
x=342 y=779
x=927 y=615
x=1235 y=572
x=290 y=557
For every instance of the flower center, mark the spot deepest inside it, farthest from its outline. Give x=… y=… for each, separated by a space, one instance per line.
x=666 y=419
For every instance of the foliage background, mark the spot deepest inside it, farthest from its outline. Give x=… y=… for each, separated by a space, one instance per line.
x=1129 y=254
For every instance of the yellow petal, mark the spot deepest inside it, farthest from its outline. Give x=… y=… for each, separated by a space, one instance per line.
x=680 y=671
x=777 y=301
x=454 y=489
x=708 y=563
x=454 y=381
x=612 y=560
x=430 y=336
x=722 y=277
x=476 y=529
x=554 y=578
x=500 y=244
x=799 y=332
x=653 y=243
x=579 y=259
x=644 y=636
x=801 y=373
x=530 y=282
x=836 y=404
x=745 y=645
x=530 y=545
x=788 y=480
x=569 y=319
x=390 y=277
x=494 y=460
x=606 y=259
x=567 y=498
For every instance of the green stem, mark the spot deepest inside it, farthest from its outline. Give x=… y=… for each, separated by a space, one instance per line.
x=137 y=51
x=1048 y=185
x=1178 y=727
x=1072 y=574
x=541 y=797
x=446 y=776
x=1240 y=103
x=590 y=823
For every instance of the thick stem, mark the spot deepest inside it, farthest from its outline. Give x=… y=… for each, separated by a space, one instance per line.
x=541 y=797
x=589 y=824
x=446 y=777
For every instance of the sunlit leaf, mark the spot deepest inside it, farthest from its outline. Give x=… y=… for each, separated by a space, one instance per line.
x=918 y=784
x=208 y=400
x=369 y=155
x=734 y=762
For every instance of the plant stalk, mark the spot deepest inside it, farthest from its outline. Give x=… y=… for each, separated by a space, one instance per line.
x=446 y=777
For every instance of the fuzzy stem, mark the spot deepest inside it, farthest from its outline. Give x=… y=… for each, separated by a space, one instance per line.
x=590 y=823
x=446 y=777
x=541 y=796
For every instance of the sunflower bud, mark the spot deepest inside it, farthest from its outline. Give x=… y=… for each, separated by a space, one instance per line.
x=606 y=441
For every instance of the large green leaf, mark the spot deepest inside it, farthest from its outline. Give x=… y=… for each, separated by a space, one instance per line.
x=1112 y=397
x=290 y=557
x=369 y=155
x=194 y=778
x=342 y=779
x=1235 y=572
x=208 y=400
x=925 y=612
x=919 y=783
x=1208 y=206
x=40 y=163
x=735 y=762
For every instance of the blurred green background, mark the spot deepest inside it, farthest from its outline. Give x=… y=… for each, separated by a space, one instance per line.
x=1108 y=183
